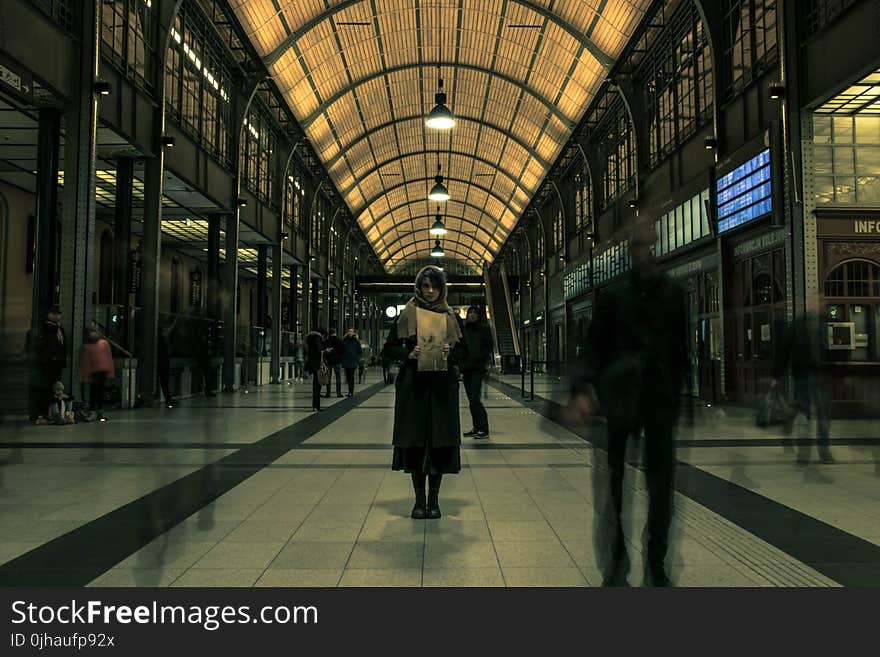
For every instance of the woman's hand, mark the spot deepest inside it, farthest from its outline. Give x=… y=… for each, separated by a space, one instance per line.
x=414 y=354
x=446 y=349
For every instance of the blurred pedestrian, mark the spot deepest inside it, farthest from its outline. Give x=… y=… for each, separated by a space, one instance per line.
x=95 y=367
x=313 y=363
x=52 y=352
x=800 y=349
x=333 y=359
x=351 y=357
x=478 y=338
x=634 y=367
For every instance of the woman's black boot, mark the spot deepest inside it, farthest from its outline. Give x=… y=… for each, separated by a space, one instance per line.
x=433 y=510
x=419 y=510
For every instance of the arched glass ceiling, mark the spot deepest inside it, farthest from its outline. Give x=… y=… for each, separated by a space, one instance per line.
x=360 y=76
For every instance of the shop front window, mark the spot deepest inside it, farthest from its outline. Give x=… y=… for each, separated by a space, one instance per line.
x=852 y=312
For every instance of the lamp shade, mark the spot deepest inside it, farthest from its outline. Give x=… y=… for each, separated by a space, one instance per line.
x=437 y=228
x=437 y=251
x=441 y=117
x=438 y=192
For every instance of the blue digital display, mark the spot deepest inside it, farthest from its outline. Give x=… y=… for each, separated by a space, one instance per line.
x=745 y=194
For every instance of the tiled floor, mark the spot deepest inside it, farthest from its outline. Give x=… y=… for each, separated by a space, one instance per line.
x=326 y=510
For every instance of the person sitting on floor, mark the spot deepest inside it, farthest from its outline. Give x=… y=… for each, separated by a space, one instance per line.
x=60 y=408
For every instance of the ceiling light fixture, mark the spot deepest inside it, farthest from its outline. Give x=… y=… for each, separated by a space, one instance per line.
x=437 y=251
x=438 y=192
x=437 y=227
x=441 y=117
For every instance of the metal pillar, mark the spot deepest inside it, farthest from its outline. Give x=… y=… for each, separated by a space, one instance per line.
x=214 y=284
x=230 y=288
x=294 y=310
x=275 y=364
x=151 y=265
x=262 y=275
x=78 y=219
x=46 y=229
x=122 y=242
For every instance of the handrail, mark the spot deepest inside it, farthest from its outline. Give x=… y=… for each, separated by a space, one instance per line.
x=103 y=331
x=487 y=282
x=509 y=306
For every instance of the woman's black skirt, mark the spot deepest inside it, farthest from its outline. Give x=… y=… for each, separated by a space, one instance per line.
x=427 y=460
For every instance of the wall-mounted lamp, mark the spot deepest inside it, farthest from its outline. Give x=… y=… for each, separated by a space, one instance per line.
x=242 y=202
x=776 y=91
x=285 y=235
x=633 y=203
x=103 y=88
x=710 y=143
x=168 y=142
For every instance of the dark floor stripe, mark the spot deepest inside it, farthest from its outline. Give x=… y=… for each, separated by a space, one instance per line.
x=845 y=558
x=81 y=555
x=686 y=442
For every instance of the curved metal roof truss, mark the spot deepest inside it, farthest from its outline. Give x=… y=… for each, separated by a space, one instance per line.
x=360 y=76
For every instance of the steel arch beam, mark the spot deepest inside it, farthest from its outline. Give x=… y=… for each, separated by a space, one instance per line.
x=388 y=190
x=516 y=140
x=463 y=256
x=327 y=103
x=471 y=156
x=570 y=29
x=409 y=203
x=428 y=216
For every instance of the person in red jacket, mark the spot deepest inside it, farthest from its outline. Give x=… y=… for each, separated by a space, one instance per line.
x=95 y=367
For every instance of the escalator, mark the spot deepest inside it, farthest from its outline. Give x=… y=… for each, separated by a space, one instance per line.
x=501 y=320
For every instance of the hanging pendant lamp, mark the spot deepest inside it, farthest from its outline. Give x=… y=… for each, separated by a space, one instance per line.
x=437 y=251
x=438 y=192
x=441 y=117
x=438 y=228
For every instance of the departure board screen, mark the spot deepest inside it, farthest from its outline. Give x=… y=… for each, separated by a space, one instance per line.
x=745 y=194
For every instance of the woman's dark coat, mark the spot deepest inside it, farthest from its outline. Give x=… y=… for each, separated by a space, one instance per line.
x=351 y=352
x=426 y=403
x=314 y=347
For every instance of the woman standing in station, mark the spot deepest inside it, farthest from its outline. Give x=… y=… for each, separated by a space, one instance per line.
x=427 y=434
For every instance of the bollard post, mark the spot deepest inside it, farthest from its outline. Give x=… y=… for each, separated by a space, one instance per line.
x=522 y=385
x=532 y=382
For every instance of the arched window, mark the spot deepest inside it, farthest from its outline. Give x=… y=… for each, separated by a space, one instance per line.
x=105 y=270
x=583 y=202
x=559 y=232
x=856 y=278
x=176 y=284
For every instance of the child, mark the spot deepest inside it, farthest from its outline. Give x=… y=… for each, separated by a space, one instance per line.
x=96 y=365
x=60 y=409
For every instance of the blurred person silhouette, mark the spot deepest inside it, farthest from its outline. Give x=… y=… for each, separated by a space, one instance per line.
x=314 y=360
x=299 y=360
x=352 y=352
x=333 y=357
x=52 y=351
x=163 y=360
x=385 y=362
x=800 y=349
x=363 y=359
x=197 y=344
x=633 y=368
x=427 y=430
x=478 y=338
x=95 y=367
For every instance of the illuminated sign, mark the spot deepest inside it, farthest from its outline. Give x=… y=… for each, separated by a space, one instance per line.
x=745 y=194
